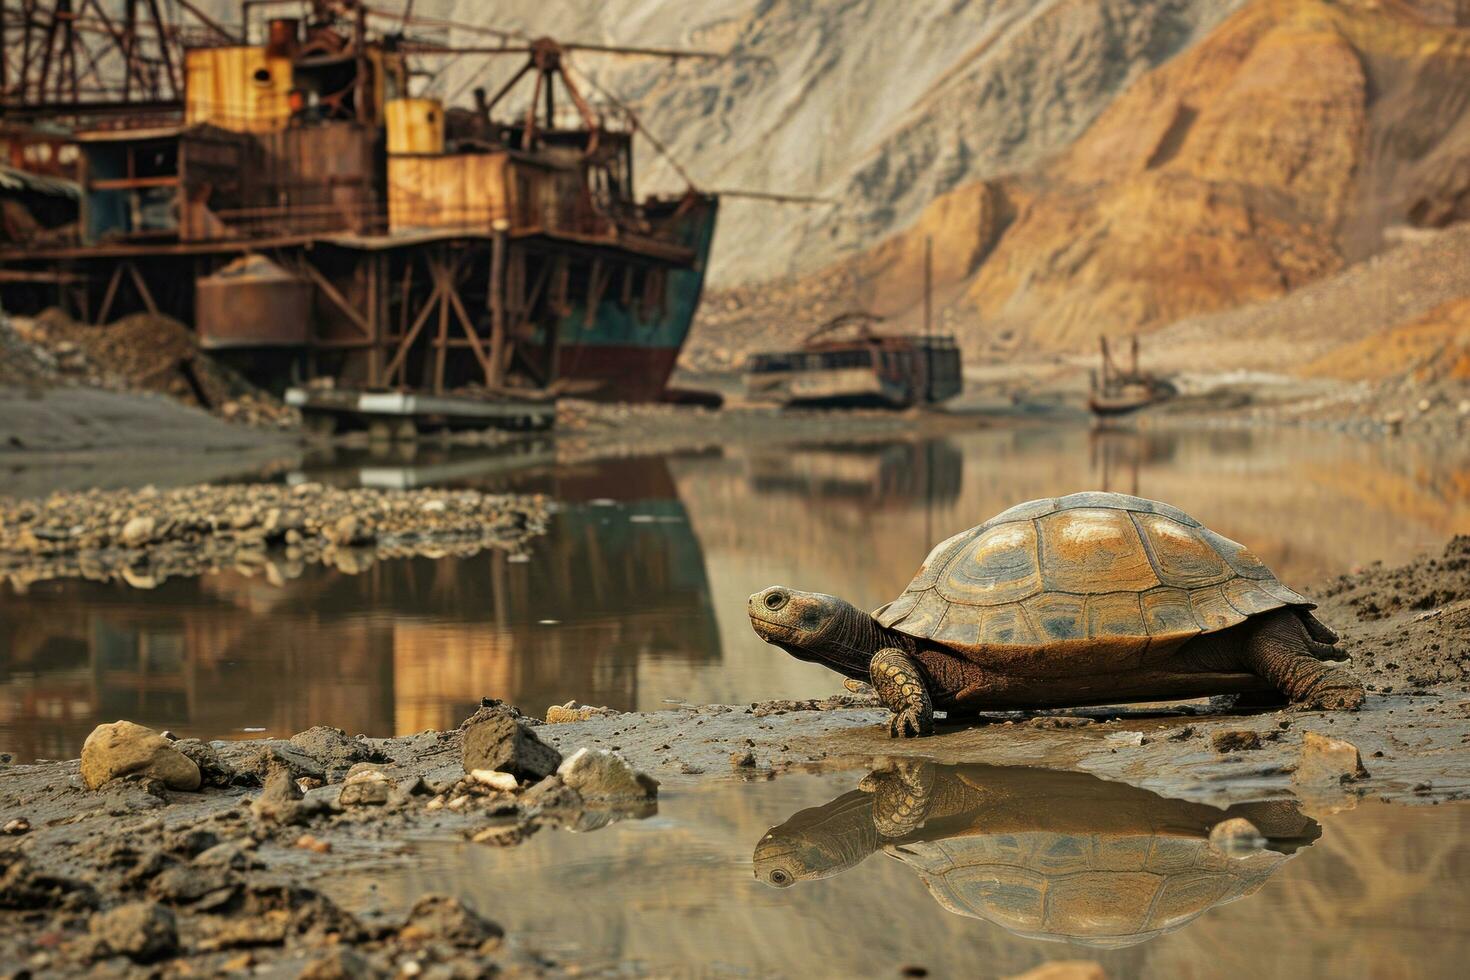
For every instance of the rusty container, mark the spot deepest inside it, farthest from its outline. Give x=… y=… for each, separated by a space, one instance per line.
x=415 y=126
x=252 y=302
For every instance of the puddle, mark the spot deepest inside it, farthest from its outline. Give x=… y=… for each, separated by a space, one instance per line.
x=991 y=871
x=635 y=598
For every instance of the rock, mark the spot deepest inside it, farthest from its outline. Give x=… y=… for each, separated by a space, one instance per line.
x=551 y=794
x=368 y=787
x=501 y=781
x=280 y=801
x=742 y=760
x=438 y=917
x=348 y=531
x=213 y=770
x=1235 y=741
x=334 y=749
x=602 y=775
x=138 y=531
x=1328 y=760
x=124 y=748
x=141 y=931
x=20 y=825
x=284 y=755
x=306 y=842
x=501 y=742
x=1236 y=835
x=561 y=714
x=182 y=884
x=341 y=963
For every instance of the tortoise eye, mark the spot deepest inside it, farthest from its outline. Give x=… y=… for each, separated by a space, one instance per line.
x=779 y=877
x=776 y=600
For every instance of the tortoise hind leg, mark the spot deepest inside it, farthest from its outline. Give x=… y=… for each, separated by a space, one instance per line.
x=1279 y=650
x=900 y=687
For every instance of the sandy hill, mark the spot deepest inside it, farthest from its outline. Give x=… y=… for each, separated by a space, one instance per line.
x=1296 y=139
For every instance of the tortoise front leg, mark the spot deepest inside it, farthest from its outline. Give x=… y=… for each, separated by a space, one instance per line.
x=1281 y=651
x=901 y=796
x=900 y=687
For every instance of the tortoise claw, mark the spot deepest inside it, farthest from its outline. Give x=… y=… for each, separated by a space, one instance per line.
x=910 y=723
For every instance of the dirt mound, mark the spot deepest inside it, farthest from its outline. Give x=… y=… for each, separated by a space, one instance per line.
x=1433 y=347
x=145 y=352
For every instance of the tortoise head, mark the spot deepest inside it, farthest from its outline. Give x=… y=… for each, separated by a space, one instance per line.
x=817 y=843
x=813 y=626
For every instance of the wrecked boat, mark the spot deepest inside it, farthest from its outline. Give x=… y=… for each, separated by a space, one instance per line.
x=1114 y=391
x=845 y=363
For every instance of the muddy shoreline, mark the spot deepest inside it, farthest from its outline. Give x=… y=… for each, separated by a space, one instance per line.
x=222 y=876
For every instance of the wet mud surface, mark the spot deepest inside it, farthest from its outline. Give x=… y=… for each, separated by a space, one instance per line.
x=139 y=878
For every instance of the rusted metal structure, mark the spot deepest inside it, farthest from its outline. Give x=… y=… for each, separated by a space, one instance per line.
x=845 y=362
x=441 y=247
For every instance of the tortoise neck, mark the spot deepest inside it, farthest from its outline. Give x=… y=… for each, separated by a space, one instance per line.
x=854 y=638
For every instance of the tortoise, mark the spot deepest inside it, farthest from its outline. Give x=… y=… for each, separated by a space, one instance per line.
x=1092 y=598
x=1062 y=856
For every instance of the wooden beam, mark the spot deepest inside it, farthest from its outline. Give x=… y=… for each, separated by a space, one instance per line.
x=110 y=294
x=336 y=297
x=142 y=288
x=413 y=332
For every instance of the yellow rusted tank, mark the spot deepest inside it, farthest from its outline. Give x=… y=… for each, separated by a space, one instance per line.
x=241 y=88
x=415 y=125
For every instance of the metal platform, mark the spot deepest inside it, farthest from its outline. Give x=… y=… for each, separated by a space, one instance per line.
x=421 y=411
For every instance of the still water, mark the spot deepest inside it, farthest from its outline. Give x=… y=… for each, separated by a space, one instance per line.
x=1012 y=867
x=635 y=597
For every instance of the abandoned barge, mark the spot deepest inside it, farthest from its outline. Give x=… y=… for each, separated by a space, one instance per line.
x=320 y=223
x=845 y=363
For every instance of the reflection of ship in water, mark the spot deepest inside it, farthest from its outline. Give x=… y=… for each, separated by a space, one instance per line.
x=880 y=474
x=403 y=646
x=1061 y=856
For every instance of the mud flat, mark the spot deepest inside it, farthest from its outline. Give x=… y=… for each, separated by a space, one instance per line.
x=144 y=537
x=208 y=856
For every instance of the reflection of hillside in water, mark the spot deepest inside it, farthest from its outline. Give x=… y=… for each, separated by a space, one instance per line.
x=877 y=476
x=403 y=646
x=1062 y=856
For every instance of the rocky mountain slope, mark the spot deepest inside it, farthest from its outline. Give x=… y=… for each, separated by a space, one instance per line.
x=1297 y=138
x=877 y=106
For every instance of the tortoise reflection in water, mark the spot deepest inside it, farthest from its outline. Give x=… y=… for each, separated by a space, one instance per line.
x=1061 y=856
x=1094 y=598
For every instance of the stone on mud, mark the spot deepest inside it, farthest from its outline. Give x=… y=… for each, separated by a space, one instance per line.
x=124 y=748
x=439 y=917
x=366 y=787
x=138 y=531
x=502 y=781
x=141 y=931
x=552 y=795
x=561 y=714
x=341 y=963
x=1328 y=760
x=603 y=775
x=501 y=742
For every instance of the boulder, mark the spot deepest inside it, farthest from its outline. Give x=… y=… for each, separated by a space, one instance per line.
x=600 y=775
x=500 y=742
x=124 y=748
x=141 y=931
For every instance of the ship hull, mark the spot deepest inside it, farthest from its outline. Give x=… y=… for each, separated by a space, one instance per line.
x=627 y=349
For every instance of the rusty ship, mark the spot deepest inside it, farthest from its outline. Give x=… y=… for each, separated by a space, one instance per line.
x=284 y=185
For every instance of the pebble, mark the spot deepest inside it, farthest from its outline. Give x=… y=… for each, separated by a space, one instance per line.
x=1328 y=760
x=1237 y=836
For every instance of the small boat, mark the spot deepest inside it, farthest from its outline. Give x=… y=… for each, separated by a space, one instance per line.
x=1117 y=392
x=845 y=363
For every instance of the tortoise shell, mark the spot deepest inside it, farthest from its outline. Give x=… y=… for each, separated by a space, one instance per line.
x=1104 y=889
x=1125 y=579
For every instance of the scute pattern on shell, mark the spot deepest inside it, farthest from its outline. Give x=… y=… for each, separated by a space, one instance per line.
x=1047 y=575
